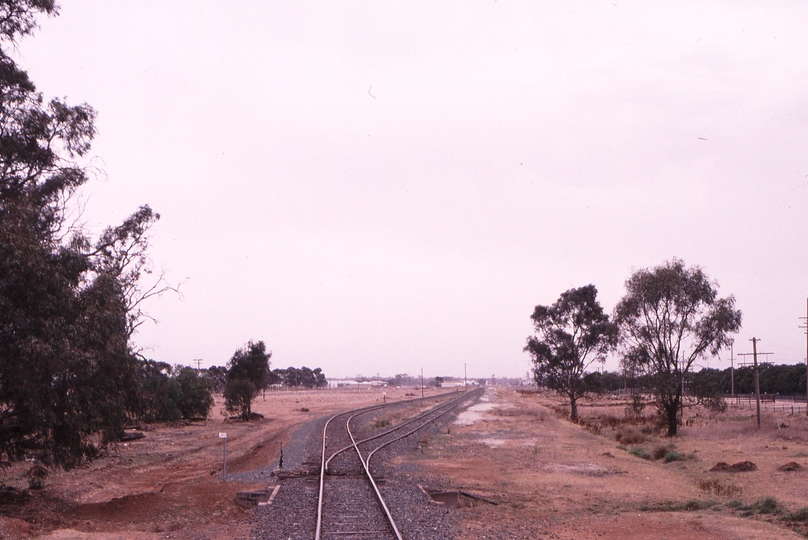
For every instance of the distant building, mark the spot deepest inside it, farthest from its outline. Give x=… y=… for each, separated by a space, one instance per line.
x=353 y=383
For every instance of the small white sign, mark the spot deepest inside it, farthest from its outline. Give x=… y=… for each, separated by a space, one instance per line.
x=222 y=435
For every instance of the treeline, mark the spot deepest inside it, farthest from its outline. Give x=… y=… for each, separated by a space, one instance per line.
x=167 y=394
x=781 y=379
x=292 y=377
x=774 y=379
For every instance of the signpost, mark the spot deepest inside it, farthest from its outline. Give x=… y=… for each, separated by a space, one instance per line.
x=224 y=456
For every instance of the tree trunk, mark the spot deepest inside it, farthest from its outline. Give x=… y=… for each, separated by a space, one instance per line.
x=672 y=410
x=573 y=407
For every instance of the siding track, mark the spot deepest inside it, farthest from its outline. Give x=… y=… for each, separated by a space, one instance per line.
x=350 y=503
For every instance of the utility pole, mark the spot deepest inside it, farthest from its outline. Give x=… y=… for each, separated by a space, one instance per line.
x=757 y=379
x=732 y=363
x=422 y=382
x=465 y=384
x=755 y=354
x=198 y=363
x=806 y=358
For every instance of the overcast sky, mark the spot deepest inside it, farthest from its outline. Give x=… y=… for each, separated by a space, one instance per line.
x=380 y=187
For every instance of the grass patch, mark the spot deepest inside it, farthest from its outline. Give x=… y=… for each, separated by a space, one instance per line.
x=764 y=505
x=639 y=452
x=690 y=505
x=629 y=435
x=768 y=505
x=381 y=423
x=660 y=451
x=622 y=447
x=722 y=490
x=799 y=515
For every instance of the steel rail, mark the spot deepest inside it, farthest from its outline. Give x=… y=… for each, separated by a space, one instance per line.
x=324 y=462
x=373 y=482
x=391 y=430
x=466 y=397
x=322 y=465
x=366 y=462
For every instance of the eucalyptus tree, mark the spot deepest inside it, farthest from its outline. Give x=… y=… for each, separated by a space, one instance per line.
x=671 y=317
x=571 y=334
x=68 y=303
x=247 y=374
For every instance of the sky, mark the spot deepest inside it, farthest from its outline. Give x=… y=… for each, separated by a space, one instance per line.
x=385 y=187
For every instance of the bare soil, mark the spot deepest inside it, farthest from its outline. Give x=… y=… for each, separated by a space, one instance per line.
x=169 y=484
x=555 y=479
x=549 y=477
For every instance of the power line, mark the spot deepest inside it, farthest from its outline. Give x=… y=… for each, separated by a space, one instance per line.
x=754 y=355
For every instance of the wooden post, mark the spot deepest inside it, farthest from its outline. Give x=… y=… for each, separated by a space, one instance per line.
x=757 y=379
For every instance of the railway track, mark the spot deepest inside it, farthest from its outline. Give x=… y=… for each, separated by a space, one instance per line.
x=350 y=502
x=325 y=492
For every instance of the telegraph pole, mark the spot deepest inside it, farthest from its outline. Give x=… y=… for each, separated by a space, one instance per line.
x=732 y=363
x=757 y=379
x=198 y=363
x=806 y=359
x=755 y=354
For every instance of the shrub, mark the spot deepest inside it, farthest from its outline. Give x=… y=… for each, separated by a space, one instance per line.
x=716 y=487
x=195 y=395
x=660 y=452
x=639 y=452
x=696 y=504
x=799 y=515
x=629 y=435
x=768 y=505
x=35 y=483
x=673 y=455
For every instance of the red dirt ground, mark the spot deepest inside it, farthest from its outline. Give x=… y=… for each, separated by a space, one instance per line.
x=551 y=478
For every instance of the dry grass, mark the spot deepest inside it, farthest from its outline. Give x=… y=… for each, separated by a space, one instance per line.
x=570 y=482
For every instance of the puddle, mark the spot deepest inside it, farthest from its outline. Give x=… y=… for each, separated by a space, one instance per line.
x=586 y=469
x=473 y=414
x=493 y=443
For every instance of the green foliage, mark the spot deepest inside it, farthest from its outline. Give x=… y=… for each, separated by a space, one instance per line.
x=35 y=483
x=247 y=373
x=195 y=394
x=673 y=455
x=799 y=515
x=570 y=335
x=690 y=505
x=768 y=505
x=217 y=375
x=660 y=451
x=68 y=304
x=782 y=379
x=605 y=381
x=669 y=318
x=639 y=452
x=158 y=393
x=706 y=386
x=292 y=377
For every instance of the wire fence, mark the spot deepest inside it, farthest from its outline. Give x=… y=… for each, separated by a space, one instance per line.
x=769 y=403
